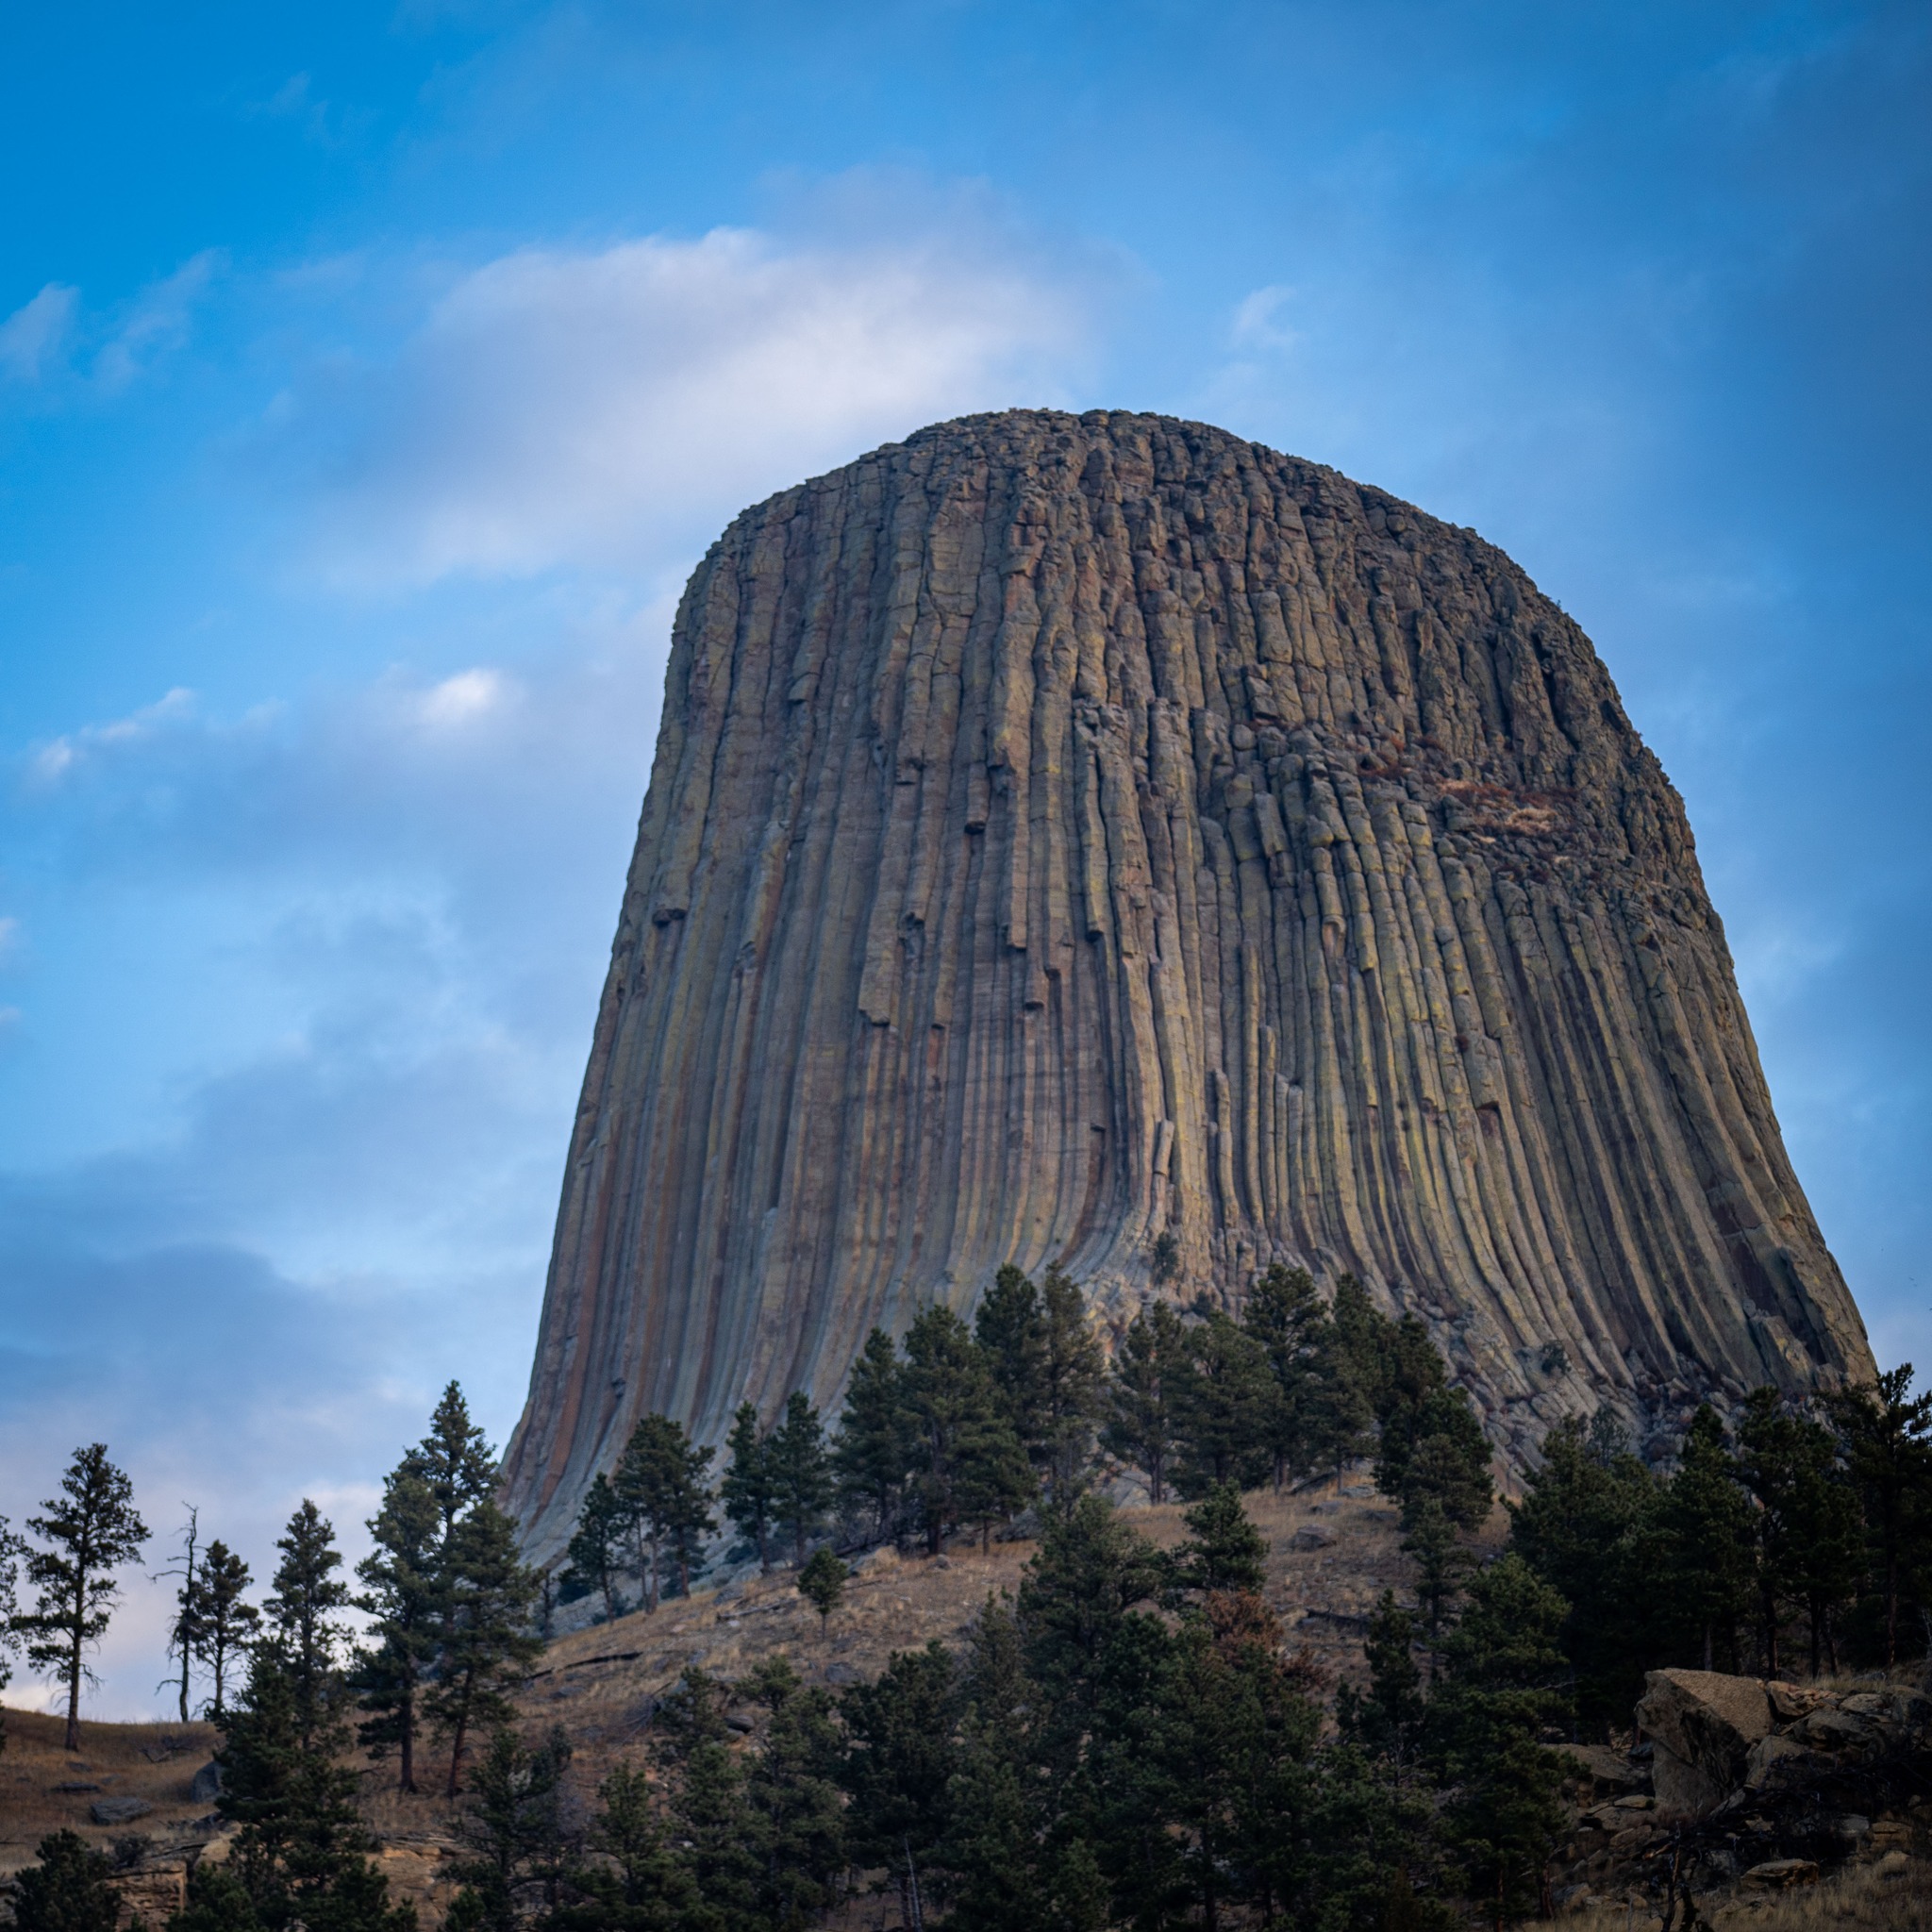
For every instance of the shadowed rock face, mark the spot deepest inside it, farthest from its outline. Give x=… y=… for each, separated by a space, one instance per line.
x=1069 y=831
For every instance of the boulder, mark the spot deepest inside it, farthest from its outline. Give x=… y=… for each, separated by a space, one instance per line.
x=1835 y=1730
x=1789 y=1702
x=118 y=1811
x=206 y=1786
x=1601 y=1765
x=1703 y=1725
x=1780 y=1874
x=1311 y=1537
x=1779 y=1760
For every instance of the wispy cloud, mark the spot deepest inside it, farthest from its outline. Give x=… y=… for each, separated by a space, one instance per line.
x=32 y=338
x=561 y=406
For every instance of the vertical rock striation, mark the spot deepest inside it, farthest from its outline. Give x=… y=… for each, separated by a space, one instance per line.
x=1069 y=830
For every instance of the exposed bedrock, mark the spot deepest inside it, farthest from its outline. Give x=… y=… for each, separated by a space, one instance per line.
x=1066 y=830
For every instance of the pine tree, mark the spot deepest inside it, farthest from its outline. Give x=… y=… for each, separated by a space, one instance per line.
x=647 y=1886
x=659 y=1481
x=705 y=1782
x=801 y=1471
x=513 y=1830
x=11 y=1551
x=1284 y=1314
x=227 y=1621
x=821 y=1583
x=302 y=1614
x=795 y=1817
x=1697 y=1547
x=749 y=1490
x=1448 y=1462
x=1147 y=1369
x=70 y=1889
x=596 y=1548
x=403 y=1587
x=1808 y=1531
x=90 y=1530
x=958 y=1422
x=1225 y=1408
x=299 y=1855
x=901 y=1758
x=1011 y=1328
x=1387 y=1718
x=1580 y=1526
x=1224 y=1551
x=485 y=1643
x=1885 y=1436
x=1073 y=1382
x=874 y=1453
x=1502 y=1681
x=454 y=1459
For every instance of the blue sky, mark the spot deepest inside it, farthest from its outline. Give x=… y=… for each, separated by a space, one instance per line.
x=370 y=376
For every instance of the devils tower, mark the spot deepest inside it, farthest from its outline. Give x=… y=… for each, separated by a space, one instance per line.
x=1072 y=831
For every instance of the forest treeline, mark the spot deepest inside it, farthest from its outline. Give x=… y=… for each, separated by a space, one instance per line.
x=1127 y=1741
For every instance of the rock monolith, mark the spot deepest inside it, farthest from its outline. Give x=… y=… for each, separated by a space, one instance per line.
x=1099 y=837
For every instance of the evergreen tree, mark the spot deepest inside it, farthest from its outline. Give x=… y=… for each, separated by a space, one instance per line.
x=821 y=1583
x=1387 y=1718
x=1011 y=1328
x=1089 y=1573
x=299 y=1856
x=647 y=1886
x=959 y=1422
x=1697 y=1548
x=794 y=1814
x=227 y=1622
x=484 y=1640
x=706 y=1802
x=1225 y=1408
x=1809 y=1534
x=11 y=1551
x=877 y=1444
x=749 y=1490
x=1440 y=1559
x=1885 y=1436
x=88 y=1531
x=1073 y=1380
x=902 y=1755
x=71 y=1889
x=1148 y=1368
x=661 y=1482
x=801 y=1471
x=1448 y=1462
x=302 y=1614
x=1224 y=1551
x=1284 y=1315
x=596 y=1548
x=1581 y=1526
x=404 y=1582
x=453 y=1460
x=1502 y=1682
x=513 y=1831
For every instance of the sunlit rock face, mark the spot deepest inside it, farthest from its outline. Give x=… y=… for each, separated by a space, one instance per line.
x=1071 y=830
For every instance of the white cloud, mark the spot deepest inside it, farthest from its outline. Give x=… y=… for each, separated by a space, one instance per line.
x=559 y=407
x=157 y=322
x=33 y=335
x=1256 y=324
x=53 y=760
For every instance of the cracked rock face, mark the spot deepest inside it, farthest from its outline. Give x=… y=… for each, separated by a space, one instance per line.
x=1068 y=831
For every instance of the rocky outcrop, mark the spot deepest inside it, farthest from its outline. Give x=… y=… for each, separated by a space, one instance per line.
x=1748 y=1780
x=1069 y=832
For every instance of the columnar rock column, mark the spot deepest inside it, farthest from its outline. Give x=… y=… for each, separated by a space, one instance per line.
x=1071 y=830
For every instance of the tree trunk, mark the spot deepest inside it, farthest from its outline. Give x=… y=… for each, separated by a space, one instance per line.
x=455 y=1750
x=73 y=1691
x=764 y=1549
x=405 y=1779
